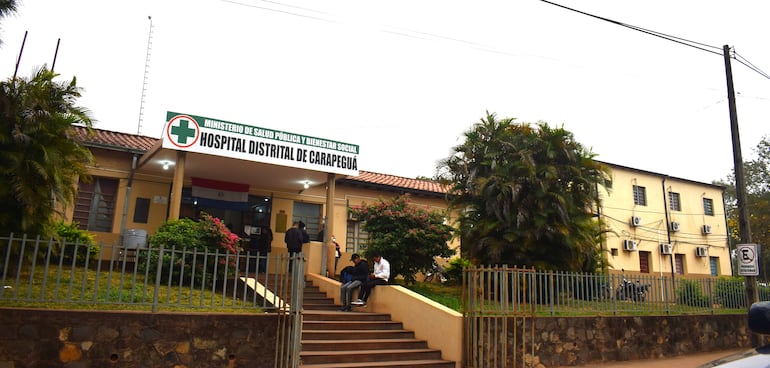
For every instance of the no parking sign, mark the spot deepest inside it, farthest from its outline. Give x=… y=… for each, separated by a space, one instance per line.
x=748 y=259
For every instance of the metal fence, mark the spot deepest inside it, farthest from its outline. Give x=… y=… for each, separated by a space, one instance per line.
x=37 y=271
x=501 y=304
x=553 y=293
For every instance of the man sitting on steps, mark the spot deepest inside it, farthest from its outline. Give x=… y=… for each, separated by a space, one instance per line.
x=379 y=277
x=358 y=273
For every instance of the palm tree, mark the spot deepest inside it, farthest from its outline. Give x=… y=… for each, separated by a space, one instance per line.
x=40 y=155
x=7 y=7
x=528 y=195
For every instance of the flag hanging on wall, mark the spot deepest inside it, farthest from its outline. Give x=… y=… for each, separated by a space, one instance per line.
x=220 y=194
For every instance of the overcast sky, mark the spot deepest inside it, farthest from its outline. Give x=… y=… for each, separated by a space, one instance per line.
x=405 y=79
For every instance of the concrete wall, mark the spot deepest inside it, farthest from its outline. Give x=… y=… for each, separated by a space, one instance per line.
x=56 y=338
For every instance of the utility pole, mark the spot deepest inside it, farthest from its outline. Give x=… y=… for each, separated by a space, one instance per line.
x=744 y=227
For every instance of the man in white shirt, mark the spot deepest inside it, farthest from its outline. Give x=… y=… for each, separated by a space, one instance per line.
x=379 y=277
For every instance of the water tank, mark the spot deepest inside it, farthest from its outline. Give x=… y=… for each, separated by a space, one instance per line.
x=135 y=238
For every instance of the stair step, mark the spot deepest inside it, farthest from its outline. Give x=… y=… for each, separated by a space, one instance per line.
x=352 y=325
x=344 y=316
x=425 y=363
x=331 y=345
x=376 y=355
x=356 y=335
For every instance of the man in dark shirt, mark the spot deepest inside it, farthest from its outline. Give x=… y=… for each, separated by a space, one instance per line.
x=293 y=239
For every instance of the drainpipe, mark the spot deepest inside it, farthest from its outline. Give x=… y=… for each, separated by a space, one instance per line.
x=125 y=201
x=668 y=234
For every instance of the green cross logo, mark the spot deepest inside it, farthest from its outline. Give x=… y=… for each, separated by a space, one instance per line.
x=181 y=129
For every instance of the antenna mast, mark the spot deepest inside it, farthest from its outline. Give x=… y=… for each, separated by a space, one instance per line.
x=144 y=82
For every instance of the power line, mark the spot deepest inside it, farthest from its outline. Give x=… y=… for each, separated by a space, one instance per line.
x=679 y=40
x=749 y=65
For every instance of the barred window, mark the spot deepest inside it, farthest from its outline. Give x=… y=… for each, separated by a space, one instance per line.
x=674 y=201
x=95 y=204
x=357 y=237
x=708 y=206
x=640 y=195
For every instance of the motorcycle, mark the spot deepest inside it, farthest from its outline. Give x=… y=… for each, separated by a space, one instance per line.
x=633 y=291
x=437 y=270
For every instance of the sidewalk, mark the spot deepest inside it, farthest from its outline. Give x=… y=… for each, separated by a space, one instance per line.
x=687 y=361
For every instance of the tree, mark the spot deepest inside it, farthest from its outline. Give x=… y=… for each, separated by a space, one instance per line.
x=7 y=7
x=41 y=157
x=409 y=237
x=756 y=174
x=528 y=196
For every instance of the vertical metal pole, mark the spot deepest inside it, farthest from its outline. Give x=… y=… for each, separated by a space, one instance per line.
x=297 y=288
x=18 y=60
x=744 y=227
x=55 y=54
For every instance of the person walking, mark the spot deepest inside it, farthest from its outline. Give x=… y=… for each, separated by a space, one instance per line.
x=293 y=239
x=358 y=274
x=379 y=277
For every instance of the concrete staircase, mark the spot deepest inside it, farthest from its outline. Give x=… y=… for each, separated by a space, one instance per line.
x=332 y=339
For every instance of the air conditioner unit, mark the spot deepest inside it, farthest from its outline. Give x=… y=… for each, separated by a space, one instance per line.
x=706 y=229
x=701 y=252
x=674 y=226
x=636 y=221
x=666 y=248
x=629 y=245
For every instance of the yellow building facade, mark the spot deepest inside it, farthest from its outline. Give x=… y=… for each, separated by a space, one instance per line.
x=662 y=225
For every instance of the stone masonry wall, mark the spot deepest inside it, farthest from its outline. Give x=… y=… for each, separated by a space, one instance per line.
x=85 y=339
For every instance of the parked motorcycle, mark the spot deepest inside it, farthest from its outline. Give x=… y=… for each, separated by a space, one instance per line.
x=634 y=291
x=437 y=270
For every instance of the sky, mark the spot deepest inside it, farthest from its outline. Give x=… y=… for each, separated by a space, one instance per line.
x=405 y=79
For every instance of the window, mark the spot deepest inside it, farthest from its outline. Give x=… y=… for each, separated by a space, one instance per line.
x=310 y=214
x=644 y=262
x=95 y=204
x=357 y=238
x=679 y=263
x=708 y=206
x=640 y=195
x=674 y=201
x=714 y=266
x=141 y=210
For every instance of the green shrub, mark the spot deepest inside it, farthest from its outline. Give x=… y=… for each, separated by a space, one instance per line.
x=72 y=241
x=730 y=292
x=689 y=292
x=207 y=235
x=454 y=272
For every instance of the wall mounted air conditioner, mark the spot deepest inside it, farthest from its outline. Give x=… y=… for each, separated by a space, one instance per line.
x=701 y=252
x=629 y=245
x=706 y=229
x=674 y=226
x=636 y=221
x=666 y=248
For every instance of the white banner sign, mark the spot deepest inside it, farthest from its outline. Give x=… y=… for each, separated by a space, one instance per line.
x=222 y=138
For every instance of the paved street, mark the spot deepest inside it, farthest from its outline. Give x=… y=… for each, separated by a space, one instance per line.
x=688 y=361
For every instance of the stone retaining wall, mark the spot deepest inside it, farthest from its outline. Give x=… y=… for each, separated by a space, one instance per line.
x=585 y=340
x=84 y=339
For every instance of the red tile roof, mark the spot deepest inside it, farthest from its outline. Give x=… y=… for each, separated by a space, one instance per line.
x=396 y=182
x=117 y=140
x=109 y=139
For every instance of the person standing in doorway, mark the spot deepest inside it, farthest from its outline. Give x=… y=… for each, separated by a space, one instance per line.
x=337 y=253
x=379 y=277
x=293 y=239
